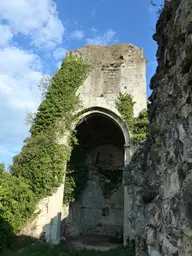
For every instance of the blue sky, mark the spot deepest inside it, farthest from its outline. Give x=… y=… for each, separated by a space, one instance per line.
x=35 y=35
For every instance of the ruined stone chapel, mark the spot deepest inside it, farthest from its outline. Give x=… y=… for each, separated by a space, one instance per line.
x=101 y=131
x=152 y=204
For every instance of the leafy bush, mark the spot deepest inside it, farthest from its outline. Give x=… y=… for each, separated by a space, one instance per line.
x=137 y=126
x=42 y=160
x=17 y=203
x=61 y=100
x=42 y=163
x=140 y=127
x=125 y=106
x=76 y=175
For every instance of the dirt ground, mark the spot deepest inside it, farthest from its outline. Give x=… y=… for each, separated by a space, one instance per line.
x=95 y=242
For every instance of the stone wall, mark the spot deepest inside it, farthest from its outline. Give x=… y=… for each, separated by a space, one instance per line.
x=159 y=177
x=93 y=212
x=114 y=69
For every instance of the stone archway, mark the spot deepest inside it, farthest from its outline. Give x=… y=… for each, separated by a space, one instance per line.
x=105 y=138
x=113 y=69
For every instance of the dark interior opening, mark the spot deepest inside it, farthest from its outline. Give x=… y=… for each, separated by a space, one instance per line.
x=99 y=205
x=98 y=129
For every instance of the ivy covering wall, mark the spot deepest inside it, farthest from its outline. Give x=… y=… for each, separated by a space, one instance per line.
x=137 y=126
x=77 y=175
x=38 y=170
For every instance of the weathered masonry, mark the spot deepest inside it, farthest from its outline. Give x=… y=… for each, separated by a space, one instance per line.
x=161 y=188
x=105 y=138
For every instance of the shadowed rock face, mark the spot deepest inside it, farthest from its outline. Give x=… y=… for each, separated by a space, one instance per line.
x=161 y=191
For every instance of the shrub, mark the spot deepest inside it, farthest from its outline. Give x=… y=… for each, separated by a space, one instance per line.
x=42 y=163
x=17 y=203
x=125 y=106
x=137 y=126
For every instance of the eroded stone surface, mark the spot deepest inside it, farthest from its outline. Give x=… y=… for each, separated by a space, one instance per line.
x=113 y=69
x=160 y=186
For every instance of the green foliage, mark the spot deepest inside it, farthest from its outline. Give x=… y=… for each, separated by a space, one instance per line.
x=39 y=168
x=30 y=117
x=137 y=126
x=44 y=85
x=125 y=106
x=140 y=127
x=61 y=100
x=6 y=235
x=76 y=176
x=2 y=168
x=42 y=160
x=39 y=249
x=42 y=163
x=109 y=180
x=17 y=203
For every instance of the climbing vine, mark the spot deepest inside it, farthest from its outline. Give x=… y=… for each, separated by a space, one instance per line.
x=137 y=126
x=109 y=180
x=42 y=160
x=125 y=106
x=38 y=170
x=140 y=127
x=77 y=175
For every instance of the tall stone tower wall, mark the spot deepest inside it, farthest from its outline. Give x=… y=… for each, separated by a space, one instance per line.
x=115 y=69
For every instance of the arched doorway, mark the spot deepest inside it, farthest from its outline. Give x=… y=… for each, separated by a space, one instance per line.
x=103 y=147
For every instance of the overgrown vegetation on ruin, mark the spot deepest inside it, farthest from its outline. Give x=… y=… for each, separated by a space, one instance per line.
x=109 y=180
x=137 y=126
x=77 y=175
x=39 y=169
x=17 y=203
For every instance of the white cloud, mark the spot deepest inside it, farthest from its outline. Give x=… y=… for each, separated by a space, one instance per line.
x=77 y=34
x=59 y=53
x=34 y=18
x=107 y=38
x=18 y=82
x=19 y=75
x=6 y=35
x=21 y=70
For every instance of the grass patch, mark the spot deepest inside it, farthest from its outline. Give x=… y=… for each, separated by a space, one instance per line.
x=42 y=249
